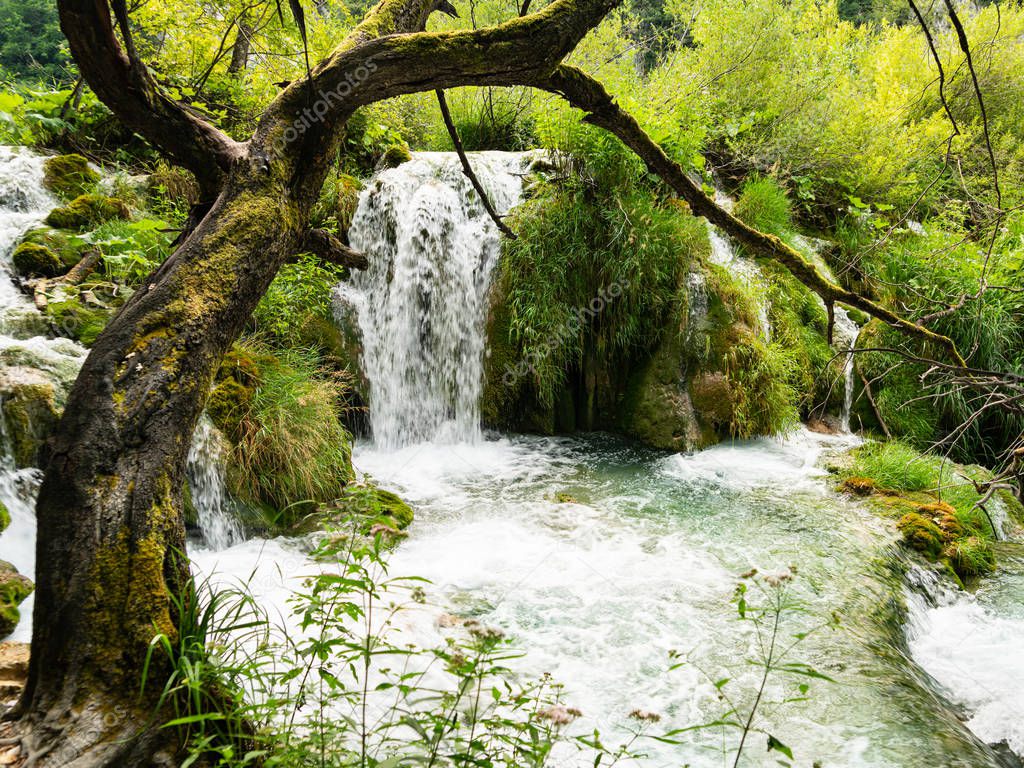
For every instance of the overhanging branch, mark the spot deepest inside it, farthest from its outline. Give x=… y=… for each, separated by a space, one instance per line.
x=585 y=93
x=124 y=84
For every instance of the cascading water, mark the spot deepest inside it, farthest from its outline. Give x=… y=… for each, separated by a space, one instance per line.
x=205 y=470
x=421 y=305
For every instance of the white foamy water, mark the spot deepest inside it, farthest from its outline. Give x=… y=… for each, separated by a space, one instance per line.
x=420 y=306
x=973 y=647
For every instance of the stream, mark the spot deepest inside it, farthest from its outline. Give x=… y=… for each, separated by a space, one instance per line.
x=599 y=557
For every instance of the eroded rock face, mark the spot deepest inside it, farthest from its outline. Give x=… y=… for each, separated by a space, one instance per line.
x=13 y=671
x=30 y=406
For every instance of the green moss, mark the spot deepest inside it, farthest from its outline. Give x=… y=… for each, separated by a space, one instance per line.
x=5 y=517
x=87 y=211
x=348 y=200
x=30 y=412
x=66 y=246
x=921 y=534
x=32 y=260
x=14 y=588
x=73 y=319
x=394 y=156
x=69 y=176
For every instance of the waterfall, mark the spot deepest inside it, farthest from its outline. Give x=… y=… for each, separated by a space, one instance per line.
x=205 y=471
x=845 y=335
x=421 y=306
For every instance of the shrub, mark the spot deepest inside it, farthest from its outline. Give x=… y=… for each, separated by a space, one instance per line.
x=290 y=451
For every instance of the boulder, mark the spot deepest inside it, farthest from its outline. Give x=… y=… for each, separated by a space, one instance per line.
x=14 y=588
x=88 y=211
x=30 y=409
x=69 y=176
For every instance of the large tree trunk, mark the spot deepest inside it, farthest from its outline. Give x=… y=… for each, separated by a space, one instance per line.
x=111 y=536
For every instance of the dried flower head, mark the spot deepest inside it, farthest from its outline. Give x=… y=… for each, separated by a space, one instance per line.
x=559 y=715
x=644 y=716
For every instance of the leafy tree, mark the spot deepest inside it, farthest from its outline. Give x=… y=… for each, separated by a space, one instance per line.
x=31 y=44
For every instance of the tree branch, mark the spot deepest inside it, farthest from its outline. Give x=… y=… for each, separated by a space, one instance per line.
x=124 y=84
x=327 y=247
x=587 y=94
x=467 y=168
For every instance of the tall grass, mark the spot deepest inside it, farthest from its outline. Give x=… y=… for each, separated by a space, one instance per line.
x=291 y=450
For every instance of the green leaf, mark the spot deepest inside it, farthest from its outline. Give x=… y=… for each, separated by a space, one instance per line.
x=778 y=746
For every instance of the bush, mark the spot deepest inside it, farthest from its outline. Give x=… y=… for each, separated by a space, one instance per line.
x=281 y=412
x=300 y=291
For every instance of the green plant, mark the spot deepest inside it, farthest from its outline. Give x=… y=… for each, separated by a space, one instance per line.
x=131 y=250
x=780 y=623
x=290 y=450
x=300 y=290
x=763 y=205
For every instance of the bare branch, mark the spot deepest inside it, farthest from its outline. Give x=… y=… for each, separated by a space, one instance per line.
x=330 y=249
x=467 y=168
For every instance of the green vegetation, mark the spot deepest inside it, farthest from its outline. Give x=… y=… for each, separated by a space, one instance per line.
x=69 y=176
x=941 y=512
x=280 y=411
x=87 y=211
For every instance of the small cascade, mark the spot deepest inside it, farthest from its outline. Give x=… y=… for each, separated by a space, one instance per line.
x=845 y=335
x=421 y=306
x=746 y=270
x=205 y=471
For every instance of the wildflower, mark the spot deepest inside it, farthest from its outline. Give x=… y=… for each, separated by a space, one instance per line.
x=559 y=715
x=481 y=632
x=644 y=716
x=386 y=530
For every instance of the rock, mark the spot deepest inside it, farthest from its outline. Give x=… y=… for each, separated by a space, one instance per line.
x=32 y=260
x=394 y=156
x=69 y=176
x=14 y=588
x=14 y=658
x=921 y=534
x=88 y=211
x=30 y=410
x=66 y=246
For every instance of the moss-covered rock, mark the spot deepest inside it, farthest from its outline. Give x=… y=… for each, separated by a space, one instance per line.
x=88 y=211
x=922 y=534
x=168 y=184
x=394 y=156
x=74 y=319
x=30 y=411
x=69 y=176
x=66 y=246
x=970 y=556
x=14 y=588
x=5 y=517
x=32 y=260
x=370 y=506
